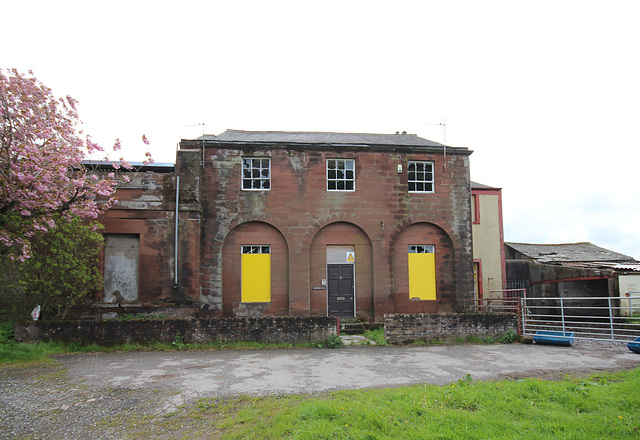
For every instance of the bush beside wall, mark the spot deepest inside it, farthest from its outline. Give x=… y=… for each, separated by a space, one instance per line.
x=401 y=329
x=112 y=332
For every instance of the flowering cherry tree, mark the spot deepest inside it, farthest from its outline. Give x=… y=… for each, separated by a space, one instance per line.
x=41 y=174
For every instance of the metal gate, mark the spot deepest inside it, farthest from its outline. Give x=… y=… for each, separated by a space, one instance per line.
x=589 y=318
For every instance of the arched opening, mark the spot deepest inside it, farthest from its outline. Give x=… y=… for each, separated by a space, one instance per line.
x=255 y=271
x=341 y=255
x=424 y=270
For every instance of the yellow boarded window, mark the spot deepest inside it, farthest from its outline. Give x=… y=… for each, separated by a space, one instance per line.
x=256 y=273
x=422 y=272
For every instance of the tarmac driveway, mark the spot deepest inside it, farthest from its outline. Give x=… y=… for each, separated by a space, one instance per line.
x=229 y=373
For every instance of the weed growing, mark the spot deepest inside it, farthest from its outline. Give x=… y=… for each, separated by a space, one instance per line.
x=334 y=341
x=377 y=336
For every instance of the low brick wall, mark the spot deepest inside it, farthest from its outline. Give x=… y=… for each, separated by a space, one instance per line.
x=401 y=329
x=112 y=332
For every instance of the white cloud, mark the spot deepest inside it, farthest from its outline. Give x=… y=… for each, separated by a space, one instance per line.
x=545 y=93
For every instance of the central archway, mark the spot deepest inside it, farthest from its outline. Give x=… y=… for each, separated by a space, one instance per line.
x=338 y=251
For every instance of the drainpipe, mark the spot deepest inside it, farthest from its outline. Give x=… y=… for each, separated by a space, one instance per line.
x=175 y=245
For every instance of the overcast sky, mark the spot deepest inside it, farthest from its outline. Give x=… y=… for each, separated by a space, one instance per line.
x=546 y=93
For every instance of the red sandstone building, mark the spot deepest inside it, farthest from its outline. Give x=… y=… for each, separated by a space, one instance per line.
x=294 y=224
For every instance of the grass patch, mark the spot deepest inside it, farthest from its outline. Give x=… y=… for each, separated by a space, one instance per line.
x=602 y=406
x=13 y=352
x=376 y=335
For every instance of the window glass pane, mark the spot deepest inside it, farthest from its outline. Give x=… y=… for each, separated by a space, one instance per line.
x=341 y=174
x=421 y=249
x=256 y=173
x=420 y=176
x=256 y=249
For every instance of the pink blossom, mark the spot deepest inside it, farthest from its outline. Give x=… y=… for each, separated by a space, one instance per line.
x=41 y=171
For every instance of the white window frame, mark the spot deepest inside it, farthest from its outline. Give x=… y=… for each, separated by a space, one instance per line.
x=424 y=181
x=259 y=178
x=255 y=249
x=345 y=179
x=422 y=249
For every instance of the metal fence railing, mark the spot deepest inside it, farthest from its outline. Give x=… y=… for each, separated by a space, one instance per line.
x=590 y=318
x=595 y=318
x=507 y=300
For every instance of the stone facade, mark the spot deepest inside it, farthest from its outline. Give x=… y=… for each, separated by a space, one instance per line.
x=145 y=213
x=300 y=219
x=302 y=222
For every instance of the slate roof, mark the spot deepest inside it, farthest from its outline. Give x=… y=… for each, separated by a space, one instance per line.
x=312 y=137
x=476 y=185
x=569 y=253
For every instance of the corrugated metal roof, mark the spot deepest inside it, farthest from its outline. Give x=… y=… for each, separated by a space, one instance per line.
x=569 y=253
x=308 y=137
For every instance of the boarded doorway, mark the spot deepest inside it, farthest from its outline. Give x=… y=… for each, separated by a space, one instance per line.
x=121 y=257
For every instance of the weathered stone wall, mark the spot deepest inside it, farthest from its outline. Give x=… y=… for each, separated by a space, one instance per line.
x=112 y=332
x=379 y=218
x=146 y=209
x=400 y=329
